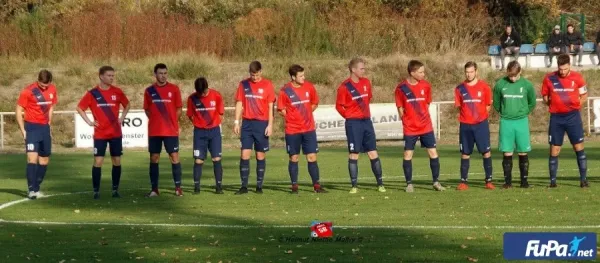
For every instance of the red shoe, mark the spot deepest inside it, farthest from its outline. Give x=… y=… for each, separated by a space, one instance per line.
x=318 y=189
x=490 y=186
x=153 y=193
x=462 y=187
x=178 y=191
x=294 y=189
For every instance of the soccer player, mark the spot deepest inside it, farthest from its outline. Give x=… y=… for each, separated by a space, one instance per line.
x=104 y=101
x=254 y=98
x=514 y=99
x=297 y=101
x=473 y=98
x=37 y=100
x=564 y=91
x=204 y=109
x=353 y=98
x=413 y=96
x=162 y=103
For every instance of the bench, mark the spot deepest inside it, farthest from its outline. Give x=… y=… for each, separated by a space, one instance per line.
x=537 y=56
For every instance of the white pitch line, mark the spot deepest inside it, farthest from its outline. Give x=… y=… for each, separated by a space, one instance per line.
x=21 y=222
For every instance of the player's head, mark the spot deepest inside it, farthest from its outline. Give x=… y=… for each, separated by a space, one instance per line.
x=508 y=29
x=570 y=28
x=416 y=70
x=564 y=64
x=470 y=71
x=357 y=67
x=297 y=73
x=160 y=72
x=44 y=78
x=106 y=74
x=201 y=85
x=513 y=71
x=255 y=70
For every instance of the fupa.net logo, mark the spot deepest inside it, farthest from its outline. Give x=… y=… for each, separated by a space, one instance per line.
x=565 y=246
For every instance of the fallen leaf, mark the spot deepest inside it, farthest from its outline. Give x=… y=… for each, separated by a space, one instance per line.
x=472 y=259
x=77 y=211
x=289 y=251
x=332 y=259
x=463 y=246
x=470 y=238
x=62 y=261
x=253 y=249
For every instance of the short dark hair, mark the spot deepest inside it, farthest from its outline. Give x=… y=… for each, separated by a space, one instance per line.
x=513 y=65
x=159 y=66
x=105 y=69
x=570 y=25
x=45 y=76
x=353 y=62
x=200 y=85
x=255 y=67
x=563 y=59
x=508 y=25
x=414 y=65
x=471 y=64
x=295 y=69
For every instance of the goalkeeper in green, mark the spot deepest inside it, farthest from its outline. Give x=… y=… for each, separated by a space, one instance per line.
x=514 y=99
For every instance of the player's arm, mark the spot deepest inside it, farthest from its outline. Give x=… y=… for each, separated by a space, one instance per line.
x=83 y=105
x=457 y=98
x=269 y=130
x=239 y=96
x=399 y=102
x=178 y=103
x=583 y=94
x=340 y=102
x=497 y=97
x=545 y=91
x=126 y=106
x=281 y=104
x=85 y=117
x=314 y=97
x=531 y=99
x=19 y=115
x=147 y=102
x=190 y=109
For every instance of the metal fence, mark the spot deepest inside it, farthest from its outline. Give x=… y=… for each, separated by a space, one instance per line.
x=446 y=126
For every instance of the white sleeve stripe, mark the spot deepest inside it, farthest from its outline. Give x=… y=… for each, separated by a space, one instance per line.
x=583 y=90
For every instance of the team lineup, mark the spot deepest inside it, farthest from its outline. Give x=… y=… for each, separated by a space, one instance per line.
x=513 y=97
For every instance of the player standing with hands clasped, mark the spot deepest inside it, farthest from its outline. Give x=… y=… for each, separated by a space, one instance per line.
x=564 y=91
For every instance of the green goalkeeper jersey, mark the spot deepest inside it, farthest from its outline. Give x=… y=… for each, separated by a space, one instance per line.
x=514 y=100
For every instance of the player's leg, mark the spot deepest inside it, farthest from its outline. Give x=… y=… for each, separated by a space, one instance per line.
x=116 y=151
x=556 y=133
x=32 y=147
x=523 y=144
x=154 y=148
x=44 y=152
x=247 y=141
x=370 y=146
x=574 y=129
x=215 y=147
x=310 y=148
x=482 y=138
x=466 y=140
x=200 y=148
x=507 y=147
x=292 y=145
x=261 y=147
x=428 y=141
x=99 y=153
x=172 y=148
x=409 y=147
x=354 y=134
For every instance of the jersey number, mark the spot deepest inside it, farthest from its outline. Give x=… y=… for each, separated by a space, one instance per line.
x=30 y=147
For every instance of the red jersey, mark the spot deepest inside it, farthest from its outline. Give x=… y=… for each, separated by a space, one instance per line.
x=206 y=111
x=105 y=105
x=564 y=92
x=297 y=103
x=161 y=104
x=473 y=101
x=255 y=98
x=37 y=102
x=353 y=99
x=414 y=100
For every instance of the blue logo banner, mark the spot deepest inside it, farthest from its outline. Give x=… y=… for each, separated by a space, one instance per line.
x=543 y=246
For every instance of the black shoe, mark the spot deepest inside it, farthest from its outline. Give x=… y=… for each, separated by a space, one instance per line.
x=219 y=190
x=196 y=189
x=552 y=185
x=259 y=190
x=116 y=194
x=243 y=190
x=524 y=184
x=584 y=184
x=96 y=195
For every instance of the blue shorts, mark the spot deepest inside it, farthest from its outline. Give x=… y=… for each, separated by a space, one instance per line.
x=427 y=141
x=570 y=123
x=471 y=134
x=307 y=140
x=38 y=139
x=116 y=147
x=207 y=140
x=360 y=135
x=253 y=133
x=155 y=144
